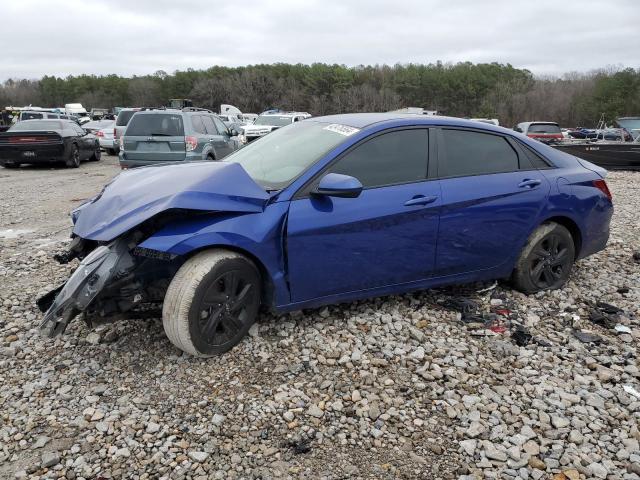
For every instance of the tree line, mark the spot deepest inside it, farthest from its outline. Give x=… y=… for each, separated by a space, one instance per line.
x=464 y=89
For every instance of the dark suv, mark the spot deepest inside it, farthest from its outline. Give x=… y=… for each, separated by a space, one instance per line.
x=167 y=135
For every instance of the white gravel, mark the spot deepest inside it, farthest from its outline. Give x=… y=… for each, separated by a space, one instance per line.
x=394 y=387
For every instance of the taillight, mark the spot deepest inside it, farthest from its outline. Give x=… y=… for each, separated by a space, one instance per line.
x=602 y=186
x=99 y=134
x=192 y=143
x=115 y=134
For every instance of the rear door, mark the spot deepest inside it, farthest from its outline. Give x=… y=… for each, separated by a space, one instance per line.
x=491 y=199
x=155 y=137
x=221 y=140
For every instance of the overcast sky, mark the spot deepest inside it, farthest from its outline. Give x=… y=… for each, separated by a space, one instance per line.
x=136 y=37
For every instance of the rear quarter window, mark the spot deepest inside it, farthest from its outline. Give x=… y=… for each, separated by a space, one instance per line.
x=160 y=124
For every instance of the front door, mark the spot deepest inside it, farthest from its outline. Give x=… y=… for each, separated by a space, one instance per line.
x=385 y=236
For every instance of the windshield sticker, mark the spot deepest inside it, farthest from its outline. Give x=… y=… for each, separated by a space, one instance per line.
x=342 y=129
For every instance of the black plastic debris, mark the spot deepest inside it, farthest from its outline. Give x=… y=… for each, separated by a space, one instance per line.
x=602 y=319
x=636 y=256
x=608 y=308
x=542 y=342
x=521 y=335
x=461 y=304
x=586 y=337
x=623 y=290
x=300 y=446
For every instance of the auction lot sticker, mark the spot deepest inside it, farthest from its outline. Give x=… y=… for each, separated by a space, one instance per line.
x=345 y=130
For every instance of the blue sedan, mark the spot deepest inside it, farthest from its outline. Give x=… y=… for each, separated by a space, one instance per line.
x=328 y=210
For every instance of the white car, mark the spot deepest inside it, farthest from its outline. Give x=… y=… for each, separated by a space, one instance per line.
x=103 y=129
x=268 y=122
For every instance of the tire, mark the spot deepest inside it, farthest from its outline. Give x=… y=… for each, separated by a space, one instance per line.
x=97 y=154
x=10 y=165
x=546 y=260
x=111 y=151
x=211 y=302
x=74 y=157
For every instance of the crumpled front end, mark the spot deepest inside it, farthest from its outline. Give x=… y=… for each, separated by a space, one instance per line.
x=103 y=266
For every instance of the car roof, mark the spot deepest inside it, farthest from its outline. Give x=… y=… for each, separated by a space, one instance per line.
x=363 y=120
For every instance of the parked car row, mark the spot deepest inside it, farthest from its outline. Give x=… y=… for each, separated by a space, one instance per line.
x=47 y=141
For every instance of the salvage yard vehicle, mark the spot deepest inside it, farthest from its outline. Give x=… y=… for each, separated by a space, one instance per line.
x=329 y=210
x=545 y=132
x=268 y=122
x=47 y=141
x=104 y=130
x=157 y=136
x=122 y=120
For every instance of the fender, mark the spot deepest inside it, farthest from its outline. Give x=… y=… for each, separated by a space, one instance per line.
x=208 y=149
x=258 y=235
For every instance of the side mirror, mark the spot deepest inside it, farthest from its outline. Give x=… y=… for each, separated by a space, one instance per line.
x=517 y=129
x=233 y=132
x=337 y=185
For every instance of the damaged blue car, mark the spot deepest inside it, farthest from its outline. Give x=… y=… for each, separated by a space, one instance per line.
x=328 y=210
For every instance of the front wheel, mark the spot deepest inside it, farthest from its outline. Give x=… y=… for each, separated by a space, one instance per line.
x=546 y=260
x=10 y=165
x=211 y=302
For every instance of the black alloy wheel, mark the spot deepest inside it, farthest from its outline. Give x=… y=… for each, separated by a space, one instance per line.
x=550 y=261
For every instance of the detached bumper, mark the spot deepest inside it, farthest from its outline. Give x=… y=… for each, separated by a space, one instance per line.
x=103 y=265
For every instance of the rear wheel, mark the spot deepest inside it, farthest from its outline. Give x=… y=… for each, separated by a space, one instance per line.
x=73 y=161
x=546 y=260
x=97 y=154
x=211 y=302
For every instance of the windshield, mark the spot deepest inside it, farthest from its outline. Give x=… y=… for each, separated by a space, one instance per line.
x=277 y=159
x=274 y=120
x=162 y=124
x=550 y=128
x=36 y=125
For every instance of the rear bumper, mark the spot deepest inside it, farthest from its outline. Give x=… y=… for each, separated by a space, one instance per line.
x=107 y=143
x=40 y=157
x=128 y=163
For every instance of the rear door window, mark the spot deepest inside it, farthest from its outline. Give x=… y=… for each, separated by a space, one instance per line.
x=209 y=126
x=196 y=123
x=388 y=159
x=219 y=125
x=157 y=124
x=473 y=153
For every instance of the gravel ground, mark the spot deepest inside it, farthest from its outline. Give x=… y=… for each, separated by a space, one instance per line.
x=394 y=387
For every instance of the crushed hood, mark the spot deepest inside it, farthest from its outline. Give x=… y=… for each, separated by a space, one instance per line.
x=137 y=195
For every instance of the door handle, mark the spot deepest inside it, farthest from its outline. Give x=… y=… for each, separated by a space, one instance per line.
x=529 y=183
x=420 y=200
